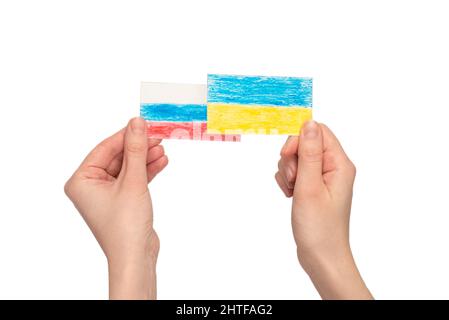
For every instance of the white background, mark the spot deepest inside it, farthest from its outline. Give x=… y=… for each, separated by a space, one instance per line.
x=69 y=76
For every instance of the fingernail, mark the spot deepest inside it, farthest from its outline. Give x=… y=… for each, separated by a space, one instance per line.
x=310 y=130
x=138 y=125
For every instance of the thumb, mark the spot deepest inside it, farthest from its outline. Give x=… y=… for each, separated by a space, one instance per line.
x=134 y=169
x=310 y=158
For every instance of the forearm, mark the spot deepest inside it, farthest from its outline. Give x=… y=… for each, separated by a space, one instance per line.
x=337 y=277
x=133 y=280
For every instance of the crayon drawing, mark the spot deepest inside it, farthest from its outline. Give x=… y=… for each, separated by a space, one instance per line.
x=177 y=111
x=257 y=104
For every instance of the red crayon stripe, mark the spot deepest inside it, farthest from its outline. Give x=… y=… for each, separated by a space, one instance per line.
x=185 y=130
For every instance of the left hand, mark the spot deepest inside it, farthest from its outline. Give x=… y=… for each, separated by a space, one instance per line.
x=110 y=190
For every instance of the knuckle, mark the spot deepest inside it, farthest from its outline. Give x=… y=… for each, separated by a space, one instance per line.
x=135 y=147
x=68 y=188
x=311 y=155
x=276 y=176
x=351 y=168
x=291 y=179
x=283 y=153
x=291 y=171
x=354 y=169
x=278 y=179
x=280 y=164
x=284 y=150
x=324 y=126
x=100 y=148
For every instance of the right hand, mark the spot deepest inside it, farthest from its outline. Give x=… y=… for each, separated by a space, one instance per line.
x=315 y=170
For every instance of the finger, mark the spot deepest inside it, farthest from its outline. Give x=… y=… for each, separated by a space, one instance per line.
x=331 y=143
x=282 y=173
x=155 y=167
x=134 y=169
x=310 y=158
x=116 y=164
x=287 y=168
x=281 y=183
x=335 y=157
x=153 y=142
x=155 y=153
x=290 y=147
x=102 y=155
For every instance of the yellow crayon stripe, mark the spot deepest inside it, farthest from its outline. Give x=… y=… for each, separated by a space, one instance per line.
x=255 y=119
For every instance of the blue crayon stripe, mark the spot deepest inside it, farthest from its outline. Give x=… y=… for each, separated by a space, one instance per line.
x=255 y=90
x=173 y=112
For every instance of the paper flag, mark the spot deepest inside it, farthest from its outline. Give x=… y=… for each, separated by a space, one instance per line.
x=177 y=111
x=257 y=105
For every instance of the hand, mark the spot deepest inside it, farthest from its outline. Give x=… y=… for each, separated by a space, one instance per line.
x=110 y=190
x=315 y=170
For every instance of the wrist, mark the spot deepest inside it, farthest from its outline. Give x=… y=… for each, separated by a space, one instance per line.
x=142 y=251
x=132 y=271
x=132 y=279
x=335 y=274
x=130 y=262
x=319 y=260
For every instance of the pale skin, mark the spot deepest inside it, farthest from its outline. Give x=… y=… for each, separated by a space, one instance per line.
x=110 y=190
x=315 y=171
